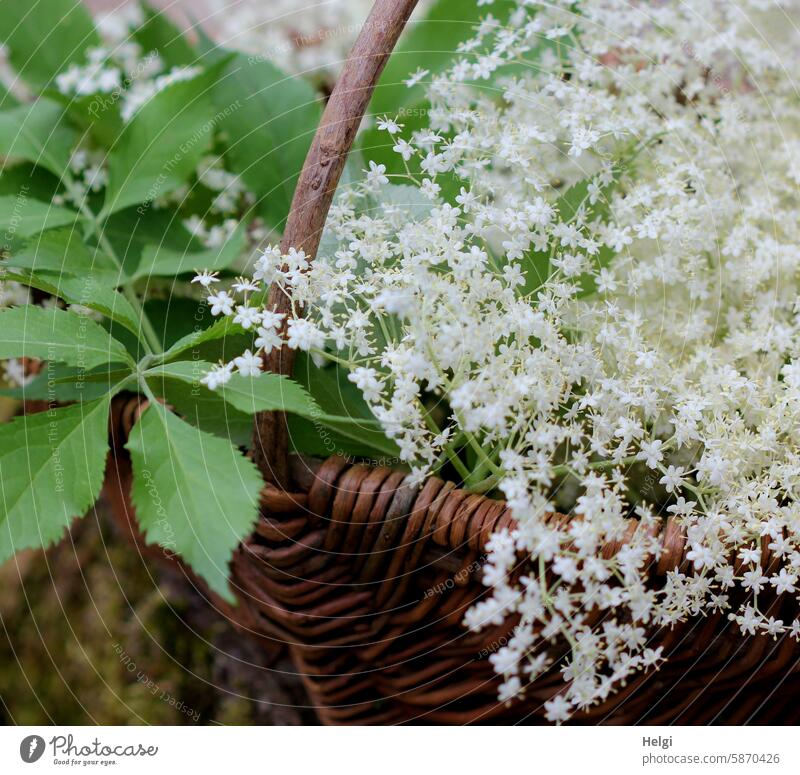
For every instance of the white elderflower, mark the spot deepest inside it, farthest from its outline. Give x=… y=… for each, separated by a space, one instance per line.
x=304 y=335
x=205 y=278
x=248 y=364
x=376 y=175
x=389 y=125
x=217 y=376
x=221 y=303
x=247 y=317
x=605 y=315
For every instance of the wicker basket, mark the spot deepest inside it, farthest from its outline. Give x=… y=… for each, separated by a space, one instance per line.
x=366 y=579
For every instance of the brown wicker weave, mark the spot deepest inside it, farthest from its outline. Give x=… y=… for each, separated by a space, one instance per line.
x=366 y=582
x=366 y=579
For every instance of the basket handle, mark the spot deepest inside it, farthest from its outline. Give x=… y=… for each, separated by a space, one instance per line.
x=314 y=194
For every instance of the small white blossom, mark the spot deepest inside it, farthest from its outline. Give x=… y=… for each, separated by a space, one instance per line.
x=248 y=364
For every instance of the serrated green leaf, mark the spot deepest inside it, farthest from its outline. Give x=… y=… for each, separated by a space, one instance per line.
x=65 y=251
x=88 y=291
x=56 y=335
x=194 y=493
x=220 y=329
x=57 y=382
x=275 y=392
x=45 y=36
x=330 y=388
x=23 y=216
x=206 y=410
x=346 y=425
x=266 y=393
x=51 y=471
x=99 y=114
x=130 y=232
x=270 y=130
x=37 y=182
x=162 y=144
x=37 y=133
x=159 y=261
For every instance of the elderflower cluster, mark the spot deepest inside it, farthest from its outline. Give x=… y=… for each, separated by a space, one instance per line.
x=589 y=280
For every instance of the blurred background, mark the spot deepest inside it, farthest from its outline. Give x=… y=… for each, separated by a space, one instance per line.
x=90 y=631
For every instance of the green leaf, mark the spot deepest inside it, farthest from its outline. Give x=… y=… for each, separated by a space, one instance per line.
x=131 y=232
x=159 y=35
x=56 y=382
x=99 y=114
x=268 y=392
x=37 y=133
x=271 y=122
x=160 y=261
x=52 y=334
x=7 y=99
x=37 y=182
x=364 y=435
x=330 y=388
x=88 y=291
x=219 y=330
x=319 y=438
x=194 y=493
x=22 y=216
x=162 y=144
x=205 y=409
x=64 y=251
x=274 y=392
x=51 y=471
x=45 y=36
x=347 y=425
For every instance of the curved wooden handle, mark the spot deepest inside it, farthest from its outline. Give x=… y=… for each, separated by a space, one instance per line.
x=314 y=193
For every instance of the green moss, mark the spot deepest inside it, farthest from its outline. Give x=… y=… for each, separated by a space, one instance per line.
x=92 y=633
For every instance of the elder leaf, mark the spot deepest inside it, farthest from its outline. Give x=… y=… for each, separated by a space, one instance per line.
x=162 y=144
x=51 y=471
x=45 y=36
x=269 y=118
x=37 y=133
x=64 y=251
x=88 y=291
x=22 y=216
x=161 y=261
x=57 y=335
x=194 y=493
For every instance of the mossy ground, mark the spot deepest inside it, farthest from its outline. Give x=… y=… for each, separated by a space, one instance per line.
x=90 y=633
